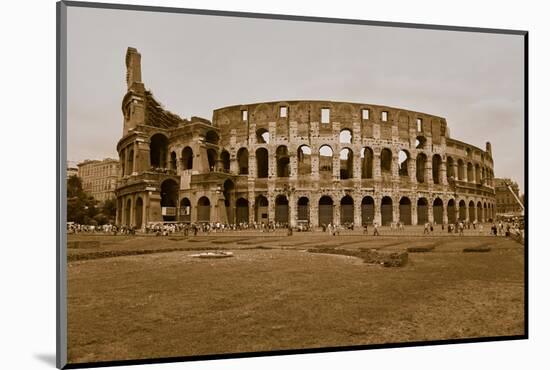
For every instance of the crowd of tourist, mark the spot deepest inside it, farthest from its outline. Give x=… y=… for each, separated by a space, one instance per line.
x=499 y=228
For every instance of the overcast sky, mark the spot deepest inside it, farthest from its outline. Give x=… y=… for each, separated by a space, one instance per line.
x=194 y=64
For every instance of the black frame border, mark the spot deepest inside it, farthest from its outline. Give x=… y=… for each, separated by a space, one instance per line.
x=61 y=156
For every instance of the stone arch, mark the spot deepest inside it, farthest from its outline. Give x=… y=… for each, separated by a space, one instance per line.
x=241 y=211
x=158 y=150
x=212 y=137
x=438 y=211
x=404 y=158
x=462 y=210
x=386 y=160
x=262 y=163
x=303 y=209
x=185 y=210
x=326 y=210
x=405 y=211
x=325 y=159
x=226 y=161
x=283 y=161
x=242 y=161
x=386 y=209
x=367 y=156
x=187 y=158
x=229 y=198
x=173 y=161
x=281 y=209
x=304 y=160
x=421 y=161
x=451 y=211
x=130 y=168
x=261 y=209
x=212 y=155
x=128 y=212
x=367 y=210
x=203 y=209
x=169 y=190
x=346 y=163
x=346 y=210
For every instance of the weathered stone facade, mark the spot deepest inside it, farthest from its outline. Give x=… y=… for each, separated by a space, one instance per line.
x=293 y=162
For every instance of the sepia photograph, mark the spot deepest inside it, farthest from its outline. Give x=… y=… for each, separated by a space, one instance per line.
x=243 y=184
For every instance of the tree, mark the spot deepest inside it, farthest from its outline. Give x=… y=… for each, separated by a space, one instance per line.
x=81 y=207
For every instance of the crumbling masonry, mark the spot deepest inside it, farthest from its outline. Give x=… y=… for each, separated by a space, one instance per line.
x=315 y=162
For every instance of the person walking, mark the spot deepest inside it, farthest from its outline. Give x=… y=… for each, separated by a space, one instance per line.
x=375 y=226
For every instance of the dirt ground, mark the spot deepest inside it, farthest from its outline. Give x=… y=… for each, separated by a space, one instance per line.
x=146 y=297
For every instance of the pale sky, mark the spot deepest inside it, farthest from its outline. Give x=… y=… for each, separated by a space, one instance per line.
x=194 y=64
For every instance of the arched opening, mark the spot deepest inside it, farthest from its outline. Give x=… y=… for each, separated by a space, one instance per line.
x=478 y=174
x=366 y=163
x=262 y=136
x=367 y=211
x=403 y=163
x=346 y=164
x=212 y=158
x=203 y=209
x=131 y=162
x=385 y=160
x=303 y=209
x=479 y=212
x=225 y=161
x=405 y=211
x=242 y=160
x=462 y=210
x=173 y=161
x=460 y=165
x=262 y=163
x=212 y=137
x=451 y=211
x=158 y=150
x=485 y=214
x=422 y=211
x=128 y=213
x=325 y=161
x=470 y=172
x=283 y=161
x=386 y=209
x=281 y=209
x=229 y=196
x=345 y=136
x=304 y=160
x=438 y=211
x=450 y=168
x=421 y=160
x=261 y=211
x=185 y=210
x=346 y=210
x=169 y=199
x=138 y=213
x=420 y=142
x=436 y=168
x=472 y=211
x=325 y=210
x=187 y=158
x=242 y=211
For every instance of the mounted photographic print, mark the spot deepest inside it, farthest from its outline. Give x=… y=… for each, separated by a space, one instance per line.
x=236 y=184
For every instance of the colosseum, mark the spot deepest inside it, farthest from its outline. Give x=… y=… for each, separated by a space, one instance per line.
x=295 y=162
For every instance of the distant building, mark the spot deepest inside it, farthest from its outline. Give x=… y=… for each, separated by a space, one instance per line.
x=506 y=202
x=71 y=170
x=99 y=178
